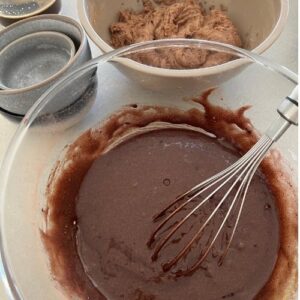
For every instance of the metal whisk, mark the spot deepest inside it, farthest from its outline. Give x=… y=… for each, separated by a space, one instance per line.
x=238 y=176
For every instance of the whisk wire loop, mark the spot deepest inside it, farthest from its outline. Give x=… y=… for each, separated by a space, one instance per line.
x=238 y=176
x=260 y=150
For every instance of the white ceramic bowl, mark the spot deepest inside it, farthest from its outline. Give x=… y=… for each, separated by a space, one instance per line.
x=259 y=24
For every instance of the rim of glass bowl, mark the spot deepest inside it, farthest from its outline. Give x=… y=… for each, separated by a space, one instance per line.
x=7 y=277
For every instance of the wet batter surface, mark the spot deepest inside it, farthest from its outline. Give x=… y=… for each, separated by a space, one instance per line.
x=124 y=188
x=110 y=182
x=175 y=19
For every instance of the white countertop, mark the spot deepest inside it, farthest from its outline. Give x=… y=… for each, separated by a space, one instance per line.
x=284 y=51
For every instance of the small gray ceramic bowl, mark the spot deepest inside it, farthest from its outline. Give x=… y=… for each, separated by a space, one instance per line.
x=23 y=9
x=18 y=101
x=34 y=58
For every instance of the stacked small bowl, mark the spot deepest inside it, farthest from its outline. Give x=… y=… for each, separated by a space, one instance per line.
x=34 y=54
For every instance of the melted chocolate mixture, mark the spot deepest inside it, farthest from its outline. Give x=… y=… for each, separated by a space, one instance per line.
x=101 y=203
x=124 y=188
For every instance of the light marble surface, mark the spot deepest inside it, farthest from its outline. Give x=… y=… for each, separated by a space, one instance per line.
x=284 y=51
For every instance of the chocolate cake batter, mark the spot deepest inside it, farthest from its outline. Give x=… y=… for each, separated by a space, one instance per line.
x=175 y=19
x=124 y=188
x=104 y=192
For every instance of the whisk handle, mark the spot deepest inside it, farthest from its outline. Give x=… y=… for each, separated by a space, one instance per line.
x=288 y=111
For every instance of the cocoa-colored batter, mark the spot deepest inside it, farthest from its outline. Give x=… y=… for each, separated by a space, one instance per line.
x=124 y=188
x=112 y=180
x=180 y=19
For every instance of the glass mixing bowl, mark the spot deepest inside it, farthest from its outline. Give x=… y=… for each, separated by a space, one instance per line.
x=49 y=126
